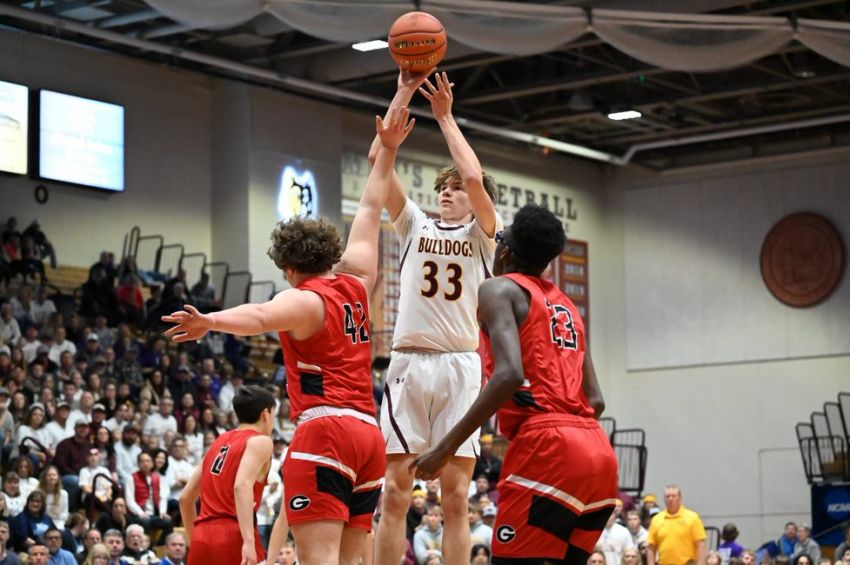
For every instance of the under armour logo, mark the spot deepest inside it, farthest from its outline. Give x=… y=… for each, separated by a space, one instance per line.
x=299 y=502
x=506 y=534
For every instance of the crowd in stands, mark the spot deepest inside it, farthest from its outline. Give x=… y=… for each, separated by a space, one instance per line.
x=102 y=421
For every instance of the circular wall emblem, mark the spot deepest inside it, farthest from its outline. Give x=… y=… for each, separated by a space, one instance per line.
x=297 y=196
x=298 y=502
x=506 y=534
x=802 y=259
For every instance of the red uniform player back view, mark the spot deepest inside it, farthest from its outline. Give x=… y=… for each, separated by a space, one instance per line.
x=229 y=482
x=559 y=479
x=335 y=463
x=221 y=464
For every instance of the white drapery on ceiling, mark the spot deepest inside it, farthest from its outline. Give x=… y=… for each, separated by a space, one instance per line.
x=830 y=39
x=691 y=43
x=683 y=42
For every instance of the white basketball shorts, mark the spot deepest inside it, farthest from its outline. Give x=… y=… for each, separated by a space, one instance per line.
x=425 y=395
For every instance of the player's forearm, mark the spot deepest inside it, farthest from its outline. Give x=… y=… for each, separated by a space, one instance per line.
x=402 y=98
x=466 y=162
x=650 y=555
x=187 y=513
x=247 y=319
x=278 y=536
x=498 y=391
x=244 y=495
x=377 y=186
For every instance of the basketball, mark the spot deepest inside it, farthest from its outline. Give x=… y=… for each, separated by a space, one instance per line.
x=417 y=41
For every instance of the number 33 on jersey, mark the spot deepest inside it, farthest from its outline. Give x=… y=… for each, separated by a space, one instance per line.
x=442 y=266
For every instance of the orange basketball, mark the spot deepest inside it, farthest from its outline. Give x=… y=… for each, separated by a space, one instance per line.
x=417 y=41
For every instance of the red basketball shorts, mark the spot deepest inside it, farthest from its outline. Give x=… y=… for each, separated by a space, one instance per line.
x=334 y=470
x=219 y=542
x=557 y=491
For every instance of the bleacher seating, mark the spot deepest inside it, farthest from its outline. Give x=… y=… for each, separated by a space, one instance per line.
x=824 y=441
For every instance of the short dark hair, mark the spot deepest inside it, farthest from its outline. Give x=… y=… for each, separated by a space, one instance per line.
x=250 y=402
x=730 y=533
x=305 y=246
x=535 y=237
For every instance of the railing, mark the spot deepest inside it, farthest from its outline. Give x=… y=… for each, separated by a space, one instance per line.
x=609 y=426
x=235 y=291
x=630 y=448
x=147 y=250
x=218 y=271
x=193 y=264
x=168 y=259
x=261 y=291
x=712 y=538
x=131 y=242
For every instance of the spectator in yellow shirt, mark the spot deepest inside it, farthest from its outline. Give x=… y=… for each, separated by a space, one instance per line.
x=676 y=535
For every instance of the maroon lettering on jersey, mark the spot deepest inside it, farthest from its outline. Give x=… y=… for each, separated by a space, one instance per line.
x=219 y=468
x=553 y=349
x=334 y=366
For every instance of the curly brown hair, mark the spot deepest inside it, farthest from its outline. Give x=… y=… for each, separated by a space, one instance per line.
x=305 y=246
x=449 y=174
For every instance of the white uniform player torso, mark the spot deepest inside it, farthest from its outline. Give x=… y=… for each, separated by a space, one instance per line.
x=442 y=266
x=435 y=372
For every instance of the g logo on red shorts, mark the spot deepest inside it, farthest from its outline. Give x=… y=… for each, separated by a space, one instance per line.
x=299 y=502
x=506 y=534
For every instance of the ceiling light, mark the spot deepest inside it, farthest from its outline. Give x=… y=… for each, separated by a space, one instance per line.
x=370 y=45
x=624 y=115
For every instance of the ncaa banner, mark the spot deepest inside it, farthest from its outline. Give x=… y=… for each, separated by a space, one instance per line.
x=830 y=512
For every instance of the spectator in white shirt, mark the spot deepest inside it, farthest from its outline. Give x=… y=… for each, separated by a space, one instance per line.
x=639 y=534
x=228 y=391
x=179 y=468
x=615 y=539
x=160 y=422
x=71 y=394
x=84 y=412
x=127 y=453
x=10 y=331
x=30 y=344
x=15 y=501
x=41 y=308
x=102 y=491
x=35 y=428
x=24 y=468
x=61 y=426
x=194 y=440
x=60 y=344
x=120 y=419
x=56 y=502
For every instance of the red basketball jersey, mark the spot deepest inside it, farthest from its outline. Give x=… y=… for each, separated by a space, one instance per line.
x=553 y=349
x=334 y=366
x=220 y=466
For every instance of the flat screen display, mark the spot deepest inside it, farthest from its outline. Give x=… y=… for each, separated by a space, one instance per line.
x=81 y=141
x=14 y=116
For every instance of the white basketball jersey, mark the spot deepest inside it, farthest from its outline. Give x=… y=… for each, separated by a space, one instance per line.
x=442 y=266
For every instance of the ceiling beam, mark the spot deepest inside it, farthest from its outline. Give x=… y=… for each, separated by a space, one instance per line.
x=733 y=125
x=554 y=85
x=708 y=97
x=127 y=19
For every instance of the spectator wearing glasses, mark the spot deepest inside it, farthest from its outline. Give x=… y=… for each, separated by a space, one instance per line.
x=58 y=556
